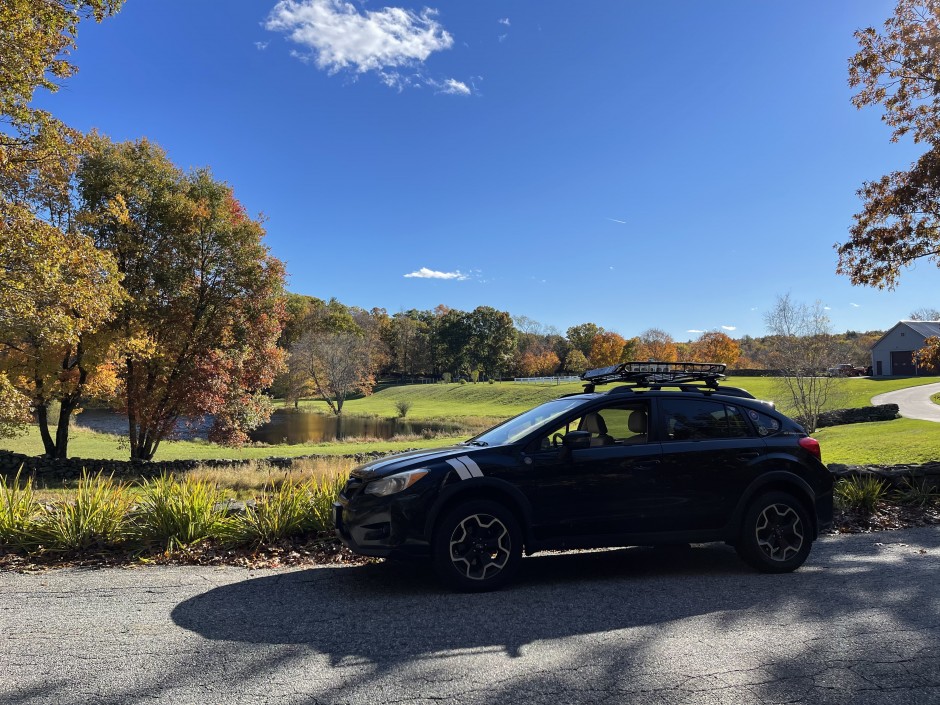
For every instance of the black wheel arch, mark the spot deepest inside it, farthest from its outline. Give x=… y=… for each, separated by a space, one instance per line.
x=481 y=488
x=782 y=480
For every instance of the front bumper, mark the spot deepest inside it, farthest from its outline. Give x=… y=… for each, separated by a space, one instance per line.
x=382 y=527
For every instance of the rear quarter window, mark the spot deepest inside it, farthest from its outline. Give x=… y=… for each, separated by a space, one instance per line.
x=765 y=424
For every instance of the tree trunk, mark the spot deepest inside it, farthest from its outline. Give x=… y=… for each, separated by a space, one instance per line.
x=42 y=416
x=66 y=407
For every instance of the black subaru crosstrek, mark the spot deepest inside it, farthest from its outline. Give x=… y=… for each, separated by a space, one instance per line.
x=670 y=456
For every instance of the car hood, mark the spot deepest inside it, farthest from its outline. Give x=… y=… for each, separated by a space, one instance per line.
x=414 y=458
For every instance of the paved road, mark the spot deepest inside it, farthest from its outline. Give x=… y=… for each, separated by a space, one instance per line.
x=913 y=402
x=858 y=624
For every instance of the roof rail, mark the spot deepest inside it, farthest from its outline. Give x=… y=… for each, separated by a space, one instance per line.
x=650 y=373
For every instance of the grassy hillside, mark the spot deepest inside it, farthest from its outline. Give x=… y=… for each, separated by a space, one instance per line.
x=503 y=399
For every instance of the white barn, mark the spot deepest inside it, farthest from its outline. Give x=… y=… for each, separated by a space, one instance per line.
x=893 y=354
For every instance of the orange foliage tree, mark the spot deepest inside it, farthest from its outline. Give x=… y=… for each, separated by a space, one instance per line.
x=656 y=344
x=606 y=349
x=204 y=308
x=715 y=346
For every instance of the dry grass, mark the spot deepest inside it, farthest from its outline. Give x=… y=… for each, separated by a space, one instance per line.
x=246 y=480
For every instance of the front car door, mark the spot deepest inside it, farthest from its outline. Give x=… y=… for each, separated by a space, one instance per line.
x=601 y=491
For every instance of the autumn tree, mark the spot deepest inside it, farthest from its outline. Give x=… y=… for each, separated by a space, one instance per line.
x=55 y=289
x=539 y=364
x=928 y=357
x=898 y=69
x=338 y=364
x=199 y=327
x=606 y=349
x=38 y=154
x=656 y=344
x=582 y=337
x=715 y=346
x=576 y=362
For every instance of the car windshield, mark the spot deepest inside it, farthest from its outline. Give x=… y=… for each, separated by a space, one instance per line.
x=518 y=426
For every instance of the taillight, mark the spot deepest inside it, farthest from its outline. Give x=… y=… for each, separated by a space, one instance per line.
x=811 y=445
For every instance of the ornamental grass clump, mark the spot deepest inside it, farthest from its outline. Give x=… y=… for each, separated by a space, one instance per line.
x=862 y=493
x=19 y=514
x=325 y=491
x=97 y=516
x=278 y=512
x=918 y=493
x=174 y=513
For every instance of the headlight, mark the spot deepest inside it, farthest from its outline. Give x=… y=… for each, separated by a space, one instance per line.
x=395 y=483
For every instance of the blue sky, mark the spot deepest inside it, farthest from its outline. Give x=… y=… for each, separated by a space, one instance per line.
x=634 y=164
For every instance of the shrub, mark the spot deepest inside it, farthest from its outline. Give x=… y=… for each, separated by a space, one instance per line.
x=402 y=407
x=462 y=380
x=862 y=492
x=278 y=513
x=178 y=512
x=325 y=491
x=918 y=493
x=96 y=517
x=447 y=377
x=19 y=514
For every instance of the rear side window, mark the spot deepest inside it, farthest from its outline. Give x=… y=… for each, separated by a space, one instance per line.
x=694 y=419
x=765 y=424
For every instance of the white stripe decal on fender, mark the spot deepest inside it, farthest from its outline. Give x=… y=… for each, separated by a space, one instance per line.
x=460 y=468
x=471 y=466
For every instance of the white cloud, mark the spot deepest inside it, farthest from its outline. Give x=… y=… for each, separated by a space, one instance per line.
x=339 y=36
x=450 y=87
x=614 y=220
x=827 y=308
x=504 y=20
x=694 y=330
x=855 y=305
x=730 y=327
x=425 y=273
x=502 y=38
x=261 y=46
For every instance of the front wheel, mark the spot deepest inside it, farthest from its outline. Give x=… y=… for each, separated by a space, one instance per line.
x=776 y=534
x=477 y=546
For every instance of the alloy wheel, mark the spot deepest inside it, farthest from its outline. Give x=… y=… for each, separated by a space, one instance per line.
x=779 y=532
x=480 y=546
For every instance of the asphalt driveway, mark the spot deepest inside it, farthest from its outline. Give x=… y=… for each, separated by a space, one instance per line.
x=859 y=623
x=913 y=402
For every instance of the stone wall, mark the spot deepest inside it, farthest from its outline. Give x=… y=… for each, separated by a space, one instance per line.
x=48 y=469
x=895 y=475
x=838 y=417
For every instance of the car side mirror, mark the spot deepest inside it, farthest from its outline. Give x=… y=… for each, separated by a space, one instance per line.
x=576 y=440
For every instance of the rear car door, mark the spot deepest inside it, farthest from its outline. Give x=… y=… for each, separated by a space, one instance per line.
x=709 y=450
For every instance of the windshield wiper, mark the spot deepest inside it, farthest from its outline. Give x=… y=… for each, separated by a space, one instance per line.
x=476 y=443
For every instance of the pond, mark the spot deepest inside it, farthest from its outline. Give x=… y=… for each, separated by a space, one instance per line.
x=289 y=426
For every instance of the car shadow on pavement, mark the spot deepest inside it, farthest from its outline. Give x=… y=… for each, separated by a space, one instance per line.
x=390 y=612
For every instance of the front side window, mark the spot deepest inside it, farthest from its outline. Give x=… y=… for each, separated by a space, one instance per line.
x=624 y=424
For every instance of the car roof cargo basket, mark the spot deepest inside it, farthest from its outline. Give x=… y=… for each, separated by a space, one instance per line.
x=656 y=375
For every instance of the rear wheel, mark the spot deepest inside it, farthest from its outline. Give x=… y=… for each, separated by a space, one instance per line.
x=477 y=546
x=776 y=534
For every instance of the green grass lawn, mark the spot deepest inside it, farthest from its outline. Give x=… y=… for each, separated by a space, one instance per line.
x=881 y=443
x=473 y=404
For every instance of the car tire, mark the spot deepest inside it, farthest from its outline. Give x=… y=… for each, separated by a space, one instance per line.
x=776 y=533
x=477 y=546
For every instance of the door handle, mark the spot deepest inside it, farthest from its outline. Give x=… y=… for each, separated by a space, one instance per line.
x=646 y=464
x=748 y=456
